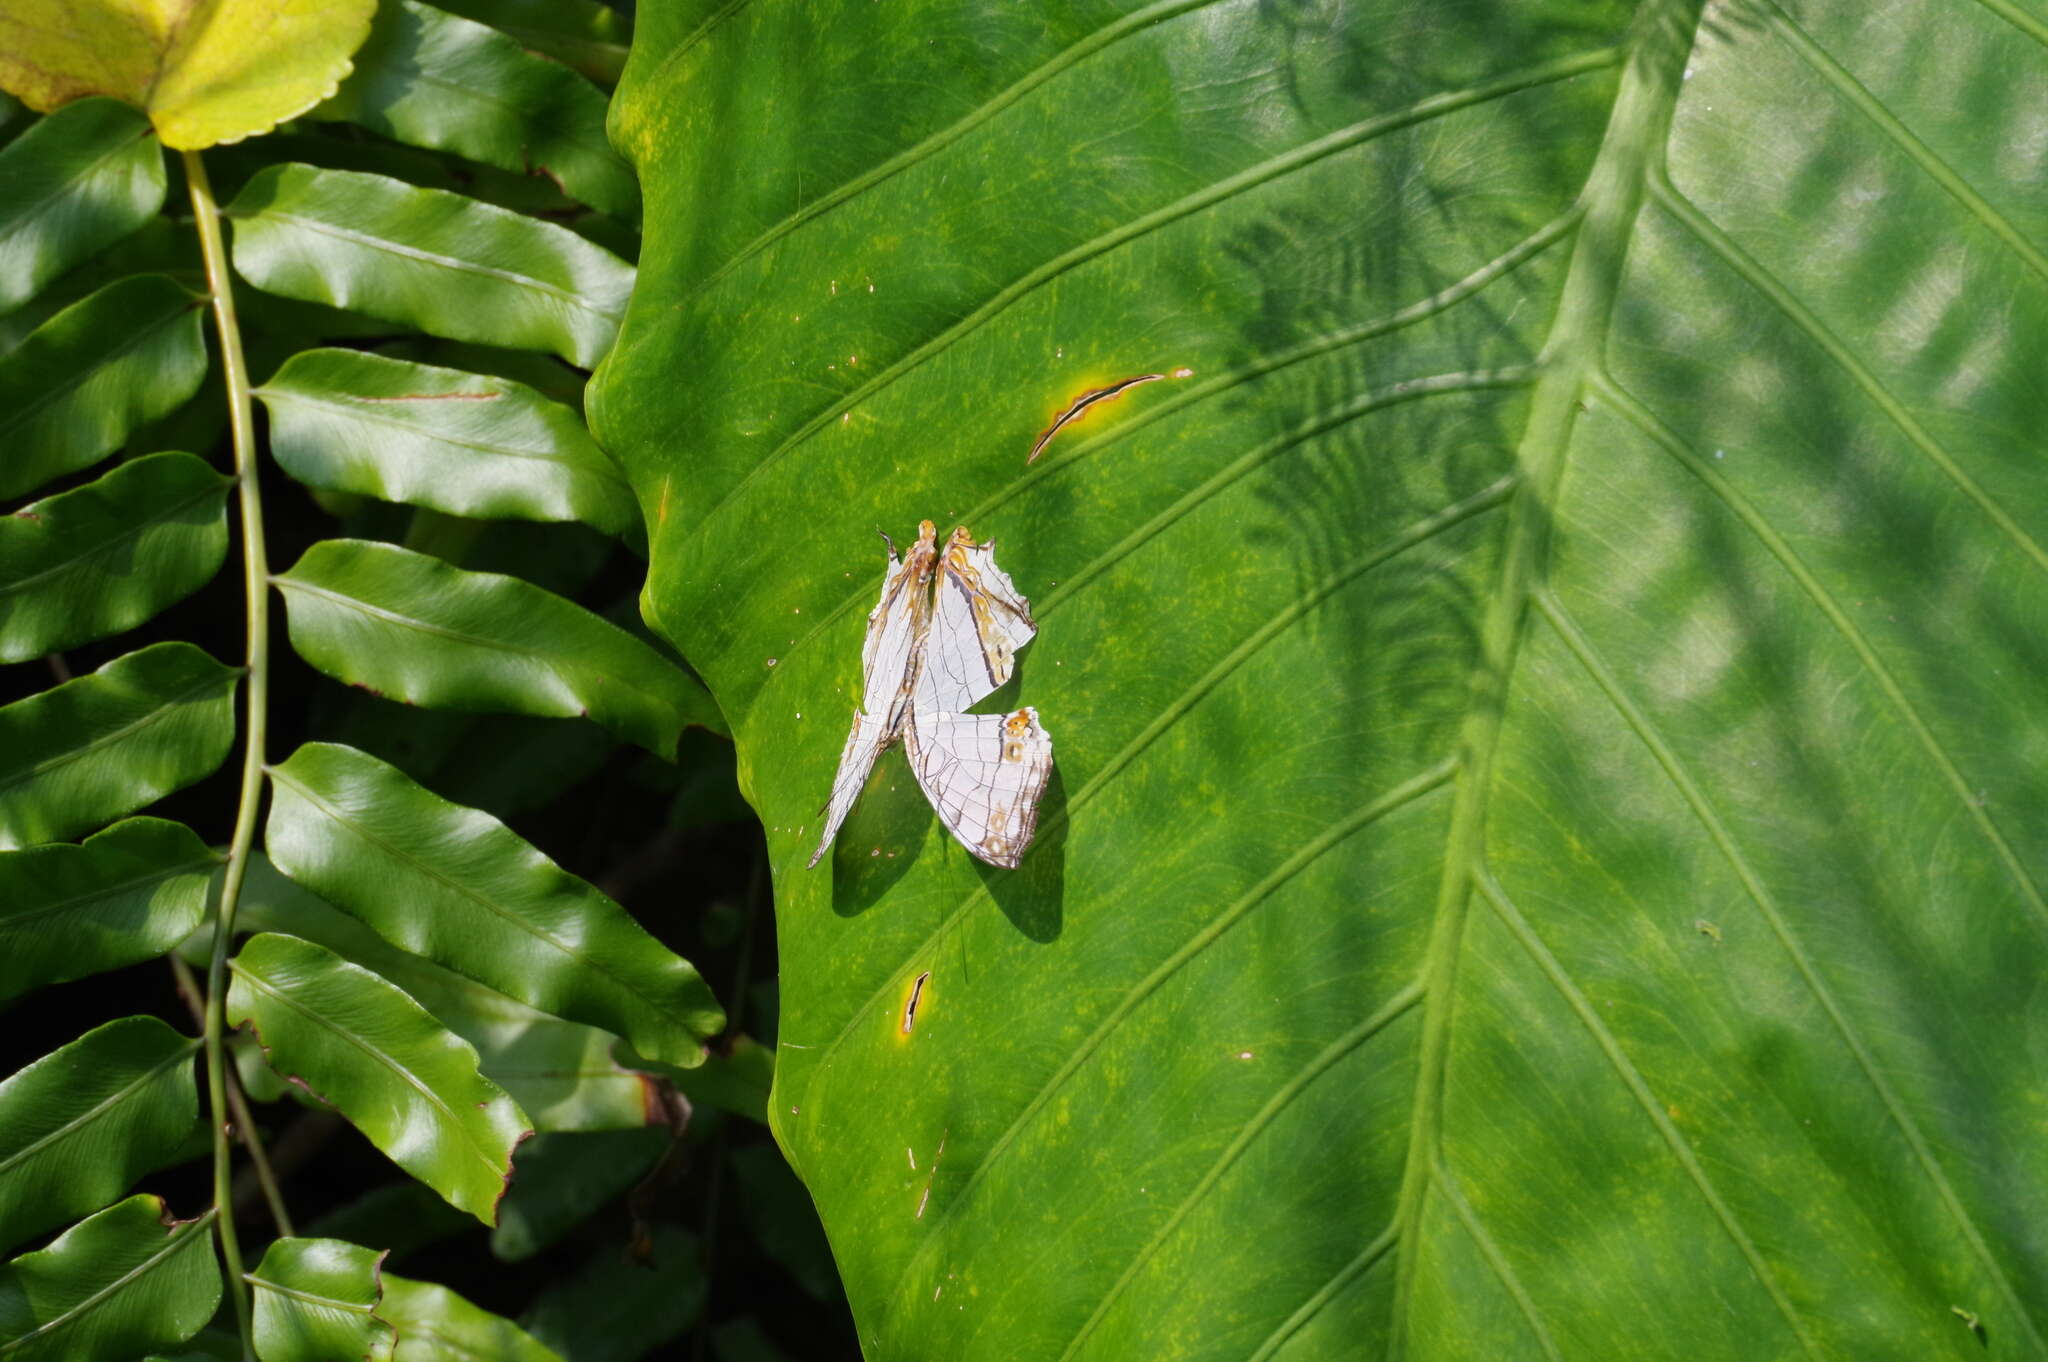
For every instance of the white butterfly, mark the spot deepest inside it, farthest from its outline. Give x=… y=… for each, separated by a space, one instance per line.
x=944 y=637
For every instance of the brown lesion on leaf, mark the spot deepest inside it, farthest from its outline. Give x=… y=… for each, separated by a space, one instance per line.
x=1084 y=404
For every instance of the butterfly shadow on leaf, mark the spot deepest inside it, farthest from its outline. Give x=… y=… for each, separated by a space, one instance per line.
x=883 y=837
x=1034 y=895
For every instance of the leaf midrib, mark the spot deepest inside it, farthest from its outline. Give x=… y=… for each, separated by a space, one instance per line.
x=179 y=1238
x=571 y=297
x=129 y=344
x=35 y=209
x=108 y=545
x=9 y=921
x=600 y=149
x=411 y=1079
x=93 y=1113
x=288 y=583
x=229 y=676
x=1615 y=187
x=600 y=468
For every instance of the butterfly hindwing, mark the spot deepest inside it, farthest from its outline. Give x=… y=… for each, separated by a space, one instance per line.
x=984 y=774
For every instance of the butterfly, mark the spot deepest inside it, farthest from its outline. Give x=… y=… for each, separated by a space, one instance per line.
x=942 y=638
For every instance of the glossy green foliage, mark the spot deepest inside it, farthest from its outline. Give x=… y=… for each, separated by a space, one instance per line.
x=110 y=1287
x=413 y=628
x=128 y=893
x=71 y=185
x=363 y=1047
x=561 y=1073
x=611 y=1313
x=81 y=1124
x=207 y=71
x=1543 y=859
x=481 y=900
x=102 y=745
x=316 y=1300
x=586 y=34
x=435 y=80
x=426 y=258
x=398 y=1217
x=465 y=444
x=105 y=557
x=73 y=390
x=562 y=1176
x=434 y=1323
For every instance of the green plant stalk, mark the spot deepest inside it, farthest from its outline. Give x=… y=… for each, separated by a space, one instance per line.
x=238 y=1107
x=255 y=587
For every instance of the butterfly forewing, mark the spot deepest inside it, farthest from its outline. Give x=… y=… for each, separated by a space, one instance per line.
x=979 y=621
x=984 y=774
x=889 y=658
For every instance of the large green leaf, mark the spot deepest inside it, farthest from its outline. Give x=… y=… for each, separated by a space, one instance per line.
x=1544 y=859
x=105 y=557
x=478 y=898
x=206 y=71
x=73 y=183
x=413 y=628
x=94 y=748
x=128 y=893
x=111 y=1287
x=365 y=1048
x=469 y=445
x=79 y=1125
x=427 y=258
x=73 y=390
x=435 y=80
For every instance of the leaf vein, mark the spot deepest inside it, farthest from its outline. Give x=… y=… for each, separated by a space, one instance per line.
x=1495 y=1259
x=1329 y=1291
x=1420 y=310
x=1823 y=64
x=1667 y=759
x=1343 y=139
x=1632 y=1078
x=1667 y=439
x=1721 y=244
x=1281 y=1099
x=1396 y=798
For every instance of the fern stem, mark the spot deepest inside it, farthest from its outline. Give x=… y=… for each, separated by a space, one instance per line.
x=238 y=1107
x=255 y=588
